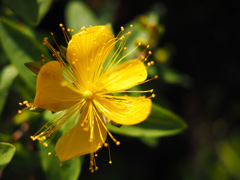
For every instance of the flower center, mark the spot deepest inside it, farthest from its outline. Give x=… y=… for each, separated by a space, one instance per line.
x=87 y=94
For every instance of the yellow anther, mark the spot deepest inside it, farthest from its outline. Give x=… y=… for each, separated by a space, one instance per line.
x=45 y=144
x=61 y=25
x=84 y=28
x=68 y=30
x=20 y=104
x=19 y=111
x=52 y=33
x=122 y=28
x=125 y=48
x=156 y=76
x=25 y=102
x=149 y=52
x=110 y=162
x=153 y=95
x=49 y=153
x=148 y=46
x=44 y=138
x=139 y=44
x=121 y=38
x=131 y=26
x=117 y=143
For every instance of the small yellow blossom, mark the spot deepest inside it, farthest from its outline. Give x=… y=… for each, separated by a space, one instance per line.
x=90 y=90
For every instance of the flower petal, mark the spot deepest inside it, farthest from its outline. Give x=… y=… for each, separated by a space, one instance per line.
x=125 y=76
x=124 y=110
x=50 y=93
x=76 y=142
x=88 y=49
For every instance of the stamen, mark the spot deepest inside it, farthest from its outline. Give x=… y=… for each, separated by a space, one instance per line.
x=28 y=106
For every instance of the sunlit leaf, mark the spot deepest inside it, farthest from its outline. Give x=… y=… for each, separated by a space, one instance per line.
x=161 y=122
x=78 y=14
x=7 y=76
x=20 y=48
x=6 y=153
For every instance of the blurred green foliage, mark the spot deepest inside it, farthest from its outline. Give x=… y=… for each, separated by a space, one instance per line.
x=6 y=153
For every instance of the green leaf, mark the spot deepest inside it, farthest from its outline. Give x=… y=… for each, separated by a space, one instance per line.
x=6 y=153
x=27 y=9
x=3 y=57
x=78 y=14
x=7 y=76
x=161 y=122
x=20 y=47
x=31 y=11
x=69 y=170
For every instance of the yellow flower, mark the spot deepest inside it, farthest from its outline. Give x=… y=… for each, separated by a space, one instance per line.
x=86 y=83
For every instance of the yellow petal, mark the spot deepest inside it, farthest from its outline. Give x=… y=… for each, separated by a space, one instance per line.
x=51 y=94
x=76 y=142
x=124 y=110
x=87 y=51
x=125 y=76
